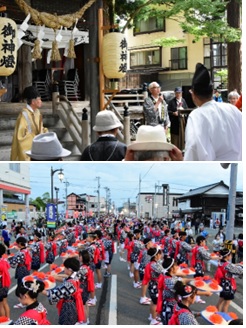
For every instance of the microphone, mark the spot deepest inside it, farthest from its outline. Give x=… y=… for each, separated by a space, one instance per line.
x=160 y=97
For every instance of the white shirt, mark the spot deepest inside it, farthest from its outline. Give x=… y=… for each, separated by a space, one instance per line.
x=214 y=133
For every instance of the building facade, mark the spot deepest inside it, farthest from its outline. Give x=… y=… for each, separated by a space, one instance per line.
x=154 y=205
x=174 y=65
x=14 y=191
x=85 y=204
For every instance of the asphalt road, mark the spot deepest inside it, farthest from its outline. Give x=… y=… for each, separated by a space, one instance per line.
x=118 y=302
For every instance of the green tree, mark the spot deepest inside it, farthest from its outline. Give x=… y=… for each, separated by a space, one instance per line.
x=40 y=202
x=210 y=18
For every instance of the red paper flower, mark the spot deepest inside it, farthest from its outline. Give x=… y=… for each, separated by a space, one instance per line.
x=216 y=319
x=183 y=265
x=233 y=315
x=186 y=271
x=199 y=283
x=211 y=308
x=51 y=279
x=188 y=289
x=214 y=286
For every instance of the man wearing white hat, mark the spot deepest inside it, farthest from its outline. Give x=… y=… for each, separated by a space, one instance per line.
x=107 y=147
x=150 y=145
x=47 y=147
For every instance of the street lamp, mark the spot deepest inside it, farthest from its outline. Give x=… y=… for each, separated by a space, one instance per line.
x=60 y=176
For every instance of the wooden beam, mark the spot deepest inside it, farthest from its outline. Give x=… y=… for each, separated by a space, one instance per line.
x=109 y=101
x=100 y=41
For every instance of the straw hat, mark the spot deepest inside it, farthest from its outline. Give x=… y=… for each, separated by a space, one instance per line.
x=46 y=146
x=106 y=121
x=150 y=138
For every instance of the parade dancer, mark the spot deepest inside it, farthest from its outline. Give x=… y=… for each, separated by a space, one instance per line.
x=225 y=277
x=86 y=278
x=22 y=261
x=152 y=272
x=144 y=259
x=182 y=249
x=93 y=251
x=68 y=295
x=51 y=249
x=137 y=246
x=182 y=315
x=109 y=249
x=100 y=246
x=199 y=254
x=27 y=292
x=122 y=237
x=37 y=251
x=5 y=282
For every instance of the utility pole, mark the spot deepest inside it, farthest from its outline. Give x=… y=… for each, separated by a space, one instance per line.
x=139 y=191
x=98 y=193
x=66 y=186
x=231 y=203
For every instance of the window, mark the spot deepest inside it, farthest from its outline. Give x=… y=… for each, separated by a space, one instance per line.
x=149 y=57
x=152 y=24
x=178 y=58
x=14 y=167
x=215 y=53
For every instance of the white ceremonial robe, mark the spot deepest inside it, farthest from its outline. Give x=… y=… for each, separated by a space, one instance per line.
x=214 y=133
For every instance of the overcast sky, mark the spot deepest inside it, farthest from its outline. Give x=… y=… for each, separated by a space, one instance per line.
x=122 y=178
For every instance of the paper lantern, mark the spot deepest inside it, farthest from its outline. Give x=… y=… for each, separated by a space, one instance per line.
x=114 y=55
x=8 y=46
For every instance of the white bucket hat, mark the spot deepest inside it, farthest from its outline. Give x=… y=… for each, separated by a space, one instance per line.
x=151 y=138
x=46 y=146
x=106 y=120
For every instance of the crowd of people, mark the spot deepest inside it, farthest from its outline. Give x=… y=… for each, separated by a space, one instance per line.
x=156 y=251
x=211 y=132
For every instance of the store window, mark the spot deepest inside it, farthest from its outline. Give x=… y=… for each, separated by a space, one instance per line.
x=178 y=58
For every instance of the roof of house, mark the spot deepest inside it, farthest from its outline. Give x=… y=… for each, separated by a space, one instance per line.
x=203 y=190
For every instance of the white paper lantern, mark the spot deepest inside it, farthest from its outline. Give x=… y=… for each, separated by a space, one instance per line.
x=114 y=55
x=8 y=46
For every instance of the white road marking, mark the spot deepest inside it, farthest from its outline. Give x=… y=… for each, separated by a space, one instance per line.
x=236 y=307
x=113 y=301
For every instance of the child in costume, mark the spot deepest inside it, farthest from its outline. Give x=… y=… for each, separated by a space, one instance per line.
x=51 y=248
x=37 y=251
x=86 y=278
x=22 y=261
x=182 y=315
x=5 y=282
x=225 y=277
x=27 y=292
x=68 y=295
x=152 y=272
